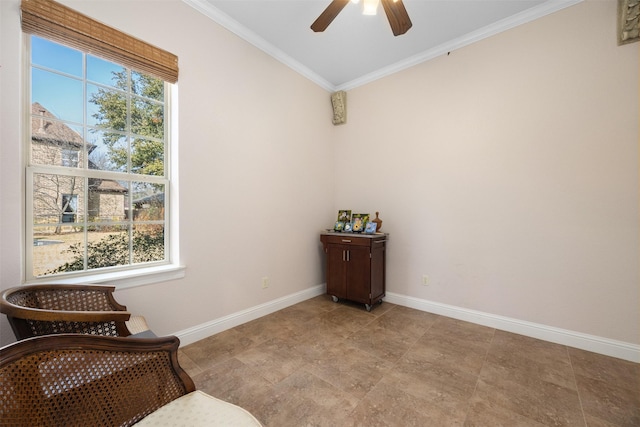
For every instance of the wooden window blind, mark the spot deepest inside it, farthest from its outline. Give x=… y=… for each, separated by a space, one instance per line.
x=54 y=21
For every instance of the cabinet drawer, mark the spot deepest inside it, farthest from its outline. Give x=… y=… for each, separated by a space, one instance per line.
x=347 y=239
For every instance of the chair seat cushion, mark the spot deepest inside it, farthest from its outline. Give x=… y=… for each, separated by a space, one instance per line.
x=137 y=324
x=197 y=409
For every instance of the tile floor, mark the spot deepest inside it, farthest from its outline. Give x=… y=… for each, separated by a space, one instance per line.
x=320 y=363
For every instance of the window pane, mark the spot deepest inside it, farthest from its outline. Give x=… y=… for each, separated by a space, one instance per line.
x=55 y=56
x=57 y=94
x=109 y=151
x=106 y=73
x=147 y=118
x=108 y=246
x=148 y=243
x=57 y=252
x=106 y=200
x=147 y=157
x=147 y=86
x=148 y=202
x=54 y=142
x=58 y=199
x=106 y=109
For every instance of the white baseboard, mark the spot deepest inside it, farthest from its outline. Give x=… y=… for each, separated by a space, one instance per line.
x=618 y=349
x=204 y=330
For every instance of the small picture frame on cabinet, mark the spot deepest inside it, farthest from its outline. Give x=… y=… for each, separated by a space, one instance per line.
x=370 y=228
x=344 y=216
x=348 y=227
x=339 y=226
x=359 y=221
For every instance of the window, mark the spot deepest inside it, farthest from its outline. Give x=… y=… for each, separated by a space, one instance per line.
x=97 y=176
x=97 y=173
x=70 y=158
x=69 y=207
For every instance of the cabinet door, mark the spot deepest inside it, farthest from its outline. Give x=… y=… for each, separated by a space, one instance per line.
x=336 y=265
x=359 y=274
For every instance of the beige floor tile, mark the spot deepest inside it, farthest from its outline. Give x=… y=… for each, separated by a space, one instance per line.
x=390 y=405
x=546 y=403
x=274 y=359
x=485 y=413
x=320 y=363
x=609 y=401
x=234 y=382
x=382 y=343
x=604 y=368
x=349 y=369
x=211 y=350
x=303 y=399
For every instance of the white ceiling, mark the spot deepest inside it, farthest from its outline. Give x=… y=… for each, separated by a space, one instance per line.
x=356 y=49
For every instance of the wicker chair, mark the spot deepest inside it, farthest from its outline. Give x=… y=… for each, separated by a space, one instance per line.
x=84 y=380
x=34 y=310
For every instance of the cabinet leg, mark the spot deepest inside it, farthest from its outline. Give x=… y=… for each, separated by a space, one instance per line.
x=334 y=298
x=368 y=307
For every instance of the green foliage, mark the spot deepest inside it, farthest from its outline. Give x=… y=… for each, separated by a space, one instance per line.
x=113 y=250
x=146 y=121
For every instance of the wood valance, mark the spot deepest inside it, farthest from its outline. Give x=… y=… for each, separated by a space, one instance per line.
x=54 y=21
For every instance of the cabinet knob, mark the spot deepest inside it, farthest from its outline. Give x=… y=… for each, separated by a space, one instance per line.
x=346 y=240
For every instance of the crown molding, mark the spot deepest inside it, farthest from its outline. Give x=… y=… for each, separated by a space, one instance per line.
x=243 y=32
x=524 y=17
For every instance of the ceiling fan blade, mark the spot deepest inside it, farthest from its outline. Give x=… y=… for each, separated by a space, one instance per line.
x=397 y=16
x=328 y=15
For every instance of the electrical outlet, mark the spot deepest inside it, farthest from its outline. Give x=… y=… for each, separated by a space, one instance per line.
x=265 y=282
x=425 y=280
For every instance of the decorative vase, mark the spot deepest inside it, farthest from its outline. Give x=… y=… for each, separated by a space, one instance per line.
x=378 y=221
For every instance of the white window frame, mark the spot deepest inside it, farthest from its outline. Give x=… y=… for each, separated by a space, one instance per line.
x=121 y=277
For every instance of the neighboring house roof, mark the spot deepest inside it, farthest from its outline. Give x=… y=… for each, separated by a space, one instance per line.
x=55 y=132
x=154 y=199
x=106 y=186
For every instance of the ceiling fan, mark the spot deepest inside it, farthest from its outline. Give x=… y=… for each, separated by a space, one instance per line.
x=394 y=9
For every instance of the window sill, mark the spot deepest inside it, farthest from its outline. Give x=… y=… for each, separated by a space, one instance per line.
x=128 y=278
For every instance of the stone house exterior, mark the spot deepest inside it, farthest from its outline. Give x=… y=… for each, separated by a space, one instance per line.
x=59 y=198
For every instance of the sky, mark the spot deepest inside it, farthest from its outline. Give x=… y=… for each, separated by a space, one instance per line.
x=58 y=75
x=62 y=94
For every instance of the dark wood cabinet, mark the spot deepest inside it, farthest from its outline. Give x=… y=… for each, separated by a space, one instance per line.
x=355 y=266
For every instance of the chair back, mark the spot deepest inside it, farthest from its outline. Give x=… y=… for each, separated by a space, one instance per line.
x=83 y=380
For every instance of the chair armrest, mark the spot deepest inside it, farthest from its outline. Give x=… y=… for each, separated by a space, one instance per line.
x=45 y=309
x=75 y=293
x=65 y=316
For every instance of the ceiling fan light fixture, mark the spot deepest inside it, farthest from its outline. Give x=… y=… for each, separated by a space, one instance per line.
x=394 y=9
x=370 y=7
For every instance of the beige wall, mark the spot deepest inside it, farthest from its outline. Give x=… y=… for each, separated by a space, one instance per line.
x=255 y=150
x=507 y=171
